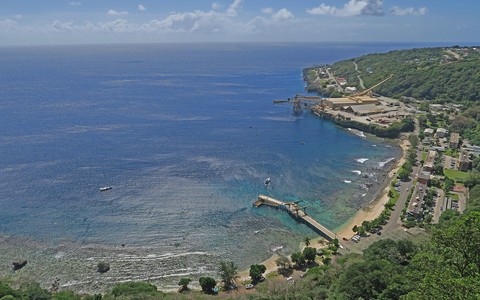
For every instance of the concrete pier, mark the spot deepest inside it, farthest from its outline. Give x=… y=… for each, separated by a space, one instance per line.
x=297 y=213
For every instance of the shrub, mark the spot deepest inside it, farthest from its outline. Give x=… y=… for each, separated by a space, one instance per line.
x=135 y=289
x=103 y=267
x=207 y=284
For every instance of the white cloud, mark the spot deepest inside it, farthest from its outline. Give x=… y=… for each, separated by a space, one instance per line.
x=141 y=7
x=118 y=25
x=113 y=12
x=267 y=10
x=75 y=3
x=62 y=26
x=398 y=11
x=8 y=24
x=217 y=6
x=351 y=8
x=18 y=17
x=187 y=22
x=282 y=15
x=232 y=10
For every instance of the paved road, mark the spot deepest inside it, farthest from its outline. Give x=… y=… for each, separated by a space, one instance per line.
x=462 y=202
x=358 y=76
x=439 y=204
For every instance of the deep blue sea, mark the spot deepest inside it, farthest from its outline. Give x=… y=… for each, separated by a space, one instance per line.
x=186 y=135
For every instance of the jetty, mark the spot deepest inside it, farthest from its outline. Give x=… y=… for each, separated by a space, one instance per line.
x=298 y=213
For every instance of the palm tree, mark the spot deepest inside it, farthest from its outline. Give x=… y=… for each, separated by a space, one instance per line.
x=307 y=241
x=228 y=272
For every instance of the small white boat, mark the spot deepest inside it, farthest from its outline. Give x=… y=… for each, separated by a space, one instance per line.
x=105 y=188
x=267 y=181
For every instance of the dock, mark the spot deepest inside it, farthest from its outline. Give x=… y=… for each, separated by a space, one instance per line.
x=298 y=213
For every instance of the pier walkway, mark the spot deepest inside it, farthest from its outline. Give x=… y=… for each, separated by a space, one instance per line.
x=298 y=213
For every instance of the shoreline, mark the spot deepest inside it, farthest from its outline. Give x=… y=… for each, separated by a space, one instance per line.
x=75 y=264
x=372 y=211
x=376 y=206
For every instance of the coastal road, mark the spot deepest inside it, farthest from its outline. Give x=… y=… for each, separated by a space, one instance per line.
x=394 y=222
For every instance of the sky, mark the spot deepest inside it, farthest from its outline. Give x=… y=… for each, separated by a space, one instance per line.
x=44 y=22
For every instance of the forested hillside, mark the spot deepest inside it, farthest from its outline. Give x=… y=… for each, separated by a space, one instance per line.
x=440 y=74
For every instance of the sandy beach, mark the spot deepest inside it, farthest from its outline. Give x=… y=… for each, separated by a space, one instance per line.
x=375 y=207
x=372 y=211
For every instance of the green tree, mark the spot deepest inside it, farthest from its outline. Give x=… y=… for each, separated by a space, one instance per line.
x=256 y=272
x=459 y=242
x=207 y=284
x=451 y=260
x=403 y=174
x=297 y=258
x=398 y=252
x=228 y=272
x=184 y=282
x=307 y=241
x=326 y=260
x=103 y=267
x=283 y=262
x=310 y=253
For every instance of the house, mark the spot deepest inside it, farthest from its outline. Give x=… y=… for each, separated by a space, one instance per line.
x=428 y=131
x=430 y=161
x=350 y=89
x=464 y=163
x=471 y=149
x=341 y=81
x=423 y=177
x=441 y=132
x=454 y=140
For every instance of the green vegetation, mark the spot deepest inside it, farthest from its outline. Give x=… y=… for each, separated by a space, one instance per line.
x=467 y=123
x=207 y=284
x=103 y=267
x=184 y=282
x=256 y=272
x=456 y=175
x=310 y=254
x=393 y=131
x=298 y=259
x=228 y=272
x=427 y=73
x=136 y=289
x=445 y=265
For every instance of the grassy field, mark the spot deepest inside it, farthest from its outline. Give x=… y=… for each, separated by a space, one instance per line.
x=424 y=155
x=455 y=175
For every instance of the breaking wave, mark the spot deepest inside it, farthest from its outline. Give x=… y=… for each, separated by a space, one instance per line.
x=361 y=160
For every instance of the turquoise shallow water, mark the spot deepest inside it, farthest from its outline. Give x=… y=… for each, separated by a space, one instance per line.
x=186 y=135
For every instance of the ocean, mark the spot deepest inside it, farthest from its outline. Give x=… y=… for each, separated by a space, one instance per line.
x=185 y=134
